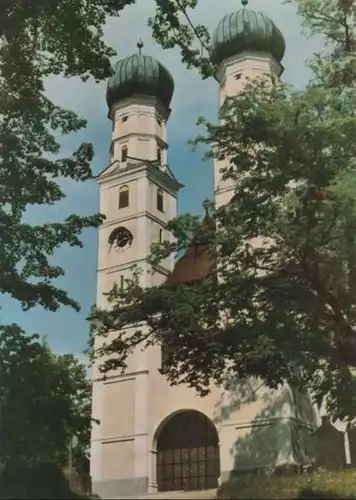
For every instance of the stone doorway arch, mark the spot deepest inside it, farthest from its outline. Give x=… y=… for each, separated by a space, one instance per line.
x=188 y=455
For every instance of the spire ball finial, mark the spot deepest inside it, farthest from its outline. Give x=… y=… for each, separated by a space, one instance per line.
x=140 y=45
x=244 y=2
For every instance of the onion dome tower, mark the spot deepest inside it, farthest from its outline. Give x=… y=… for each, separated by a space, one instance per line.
x=139 y=95
x=247 y=31
x=245 y=45
x=141 y=75
x=138 y=195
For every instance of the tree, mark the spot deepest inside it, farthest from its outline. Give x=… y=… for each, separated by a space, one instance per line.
x=45 y=400
x=39 y=39
x=283 y=310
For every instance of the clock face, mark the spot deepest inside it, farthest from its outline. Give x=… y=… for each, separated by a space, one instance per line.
x=121 y=239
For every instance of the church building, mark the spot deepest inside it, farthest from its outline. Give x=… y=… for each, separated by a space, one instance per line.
x=153 y=437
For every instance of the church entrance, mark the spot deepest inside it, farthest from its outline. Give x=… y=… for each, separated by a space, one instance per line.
x=188 y=453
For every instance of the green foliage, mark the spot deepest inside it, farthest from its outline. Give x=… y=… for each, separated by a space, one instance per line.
x=45 y=399
x=284 y=248
x=335 y=22
x=39 y=39
x=172 y=27
x=42 y=480
x=317 y=485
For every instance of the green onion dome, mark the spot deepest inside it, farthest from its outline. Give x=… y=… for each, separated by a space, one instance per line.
x=247 y=30
x=140 y=74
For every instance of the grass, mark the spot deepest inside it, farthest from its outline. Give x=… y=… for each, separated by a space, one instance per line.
x=337 y=484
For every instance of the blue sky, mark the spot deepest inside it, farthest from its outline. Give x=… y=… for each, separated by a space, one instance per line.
x=66 y=330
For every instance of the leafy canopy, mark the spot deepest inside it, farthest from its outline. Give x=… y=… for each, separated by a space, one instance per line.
x=284 y=248
x=45 y=400
x=39 y=39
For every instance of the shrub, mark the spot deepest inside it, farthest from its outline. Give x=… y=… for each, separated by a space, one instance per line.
x=43 y=480
x=317 y=485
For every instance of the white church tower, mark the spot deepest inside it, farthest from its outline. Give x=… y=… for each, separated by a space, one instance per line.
x=138 y=196
x=246 y=45
x=153 y=437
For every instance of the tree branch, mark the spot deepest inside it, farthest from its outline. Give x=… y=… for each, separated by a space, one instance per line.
x=193 y=28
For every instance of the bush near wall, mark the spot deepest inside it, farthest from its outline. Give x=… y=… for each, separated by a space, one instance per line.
x=44 y=480
x=316 y=485
x=79 y=481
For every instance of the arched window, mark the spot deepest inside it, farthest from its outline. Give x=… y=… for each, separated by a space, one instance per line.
x=124 y=197
x=159 y=156
x=160 y=200
x=124 y=153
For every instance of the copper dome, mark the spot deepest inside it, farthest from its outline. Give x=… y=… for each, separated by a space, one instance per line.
x=196 y=263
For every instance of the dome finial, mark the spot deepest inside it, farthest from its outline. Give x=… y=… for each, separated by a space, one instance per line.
x=244 y=2
x=140 y=45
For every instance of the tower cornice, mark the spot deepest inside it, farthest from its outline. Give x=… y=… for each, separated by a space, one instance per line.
x=158 y=139
x=139 y=100
x=121 y=173
x=276 y=67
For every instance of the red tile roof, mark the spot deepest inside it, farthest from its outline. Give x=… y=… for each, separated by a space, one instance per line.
x=196 y=263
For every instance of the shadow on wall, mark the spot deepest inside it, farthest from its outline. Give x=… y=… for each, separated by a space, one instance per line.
x=271 y=440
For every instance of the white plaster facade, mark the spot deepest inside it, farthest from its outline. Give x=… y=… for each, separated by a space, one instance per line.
x=233 y=75
x=140 y=125
x=255 y=426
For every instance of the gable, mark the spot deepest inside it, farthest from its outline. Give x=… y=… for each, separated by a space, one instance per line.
x=111 y=169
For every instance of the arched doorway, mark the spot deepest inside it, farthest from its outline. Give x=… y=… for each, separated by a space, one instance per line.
x=188 y=453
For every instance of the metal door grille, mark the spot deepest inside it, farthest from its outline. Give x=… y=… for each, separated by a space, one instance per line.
x=188 y=454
